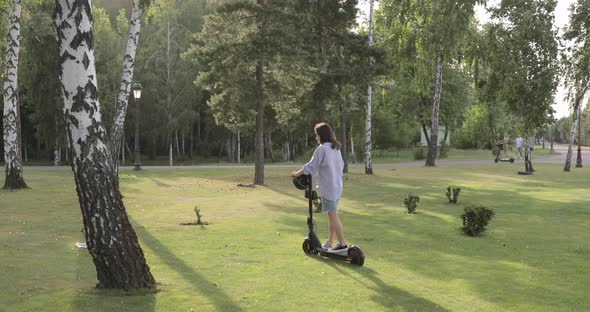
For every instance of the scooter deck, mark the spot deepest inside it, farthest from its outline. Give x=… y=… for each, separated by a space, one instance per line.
x=326 y=253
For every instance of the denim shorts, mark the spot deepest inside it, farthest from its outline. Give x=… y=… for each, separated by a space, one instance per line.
x=329 y=205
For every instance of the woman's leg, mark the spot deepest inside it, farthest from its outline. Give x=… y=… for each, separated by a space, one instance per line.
x=331 y=233
x=336 y=226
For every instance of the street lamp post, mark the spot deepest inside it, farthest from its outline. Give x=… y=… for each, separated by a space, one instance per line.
x=137 y=95
x=579 y=159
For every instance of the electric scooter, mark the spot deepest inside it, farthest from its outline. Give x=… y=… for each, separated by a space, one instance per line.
x=311 y=244
x=496 y=152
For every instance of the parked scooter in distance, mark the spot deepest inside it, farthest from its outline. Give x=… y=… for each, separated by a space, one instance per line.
x=497 y=151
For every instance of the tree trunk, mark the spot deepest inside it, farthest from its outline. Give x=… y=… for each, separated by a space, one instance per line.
x=110 y=238
x=238 y=153
x=568 y=158
x=269 y=142
x=182 y=139
x=126 y=78
x=178 y=156
x=425 y=131
x=259 y=143
x=352 y=153
x=56 y=153
x=191 y=140
x=368 y=147
x=431 y=156
x=11 y=116
x=228 y=150
x=170 y=153
x=343 y=149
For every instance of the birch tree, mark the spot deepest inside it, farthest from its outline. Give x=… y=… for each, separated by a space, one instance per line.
x=110 y=238
x=118 y=126
x=11 y=116
x=577 y=65
x=368 y=160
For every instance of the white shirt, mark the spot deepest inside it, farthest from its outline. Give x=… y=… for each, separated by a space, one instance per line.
x=519 y=142
x=327 y=163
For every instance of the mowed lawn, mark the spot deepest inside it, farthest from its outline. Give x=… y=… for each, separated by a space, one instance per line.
x=534 y=257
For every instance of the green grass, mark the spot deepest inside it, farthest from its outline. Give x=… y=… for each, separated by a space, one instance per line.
x=534 y=257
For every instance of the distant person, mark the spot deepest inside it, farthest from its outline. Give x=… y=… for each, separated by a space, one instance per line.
x=328 y=164
x=519 y=142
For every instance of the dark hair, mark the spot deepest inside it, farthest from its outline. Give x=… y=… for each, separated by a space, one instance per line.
x=326 y=134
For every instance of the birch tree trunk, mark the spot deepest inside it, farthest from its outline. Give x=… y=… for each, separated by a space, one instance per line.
x=431 y=156
x=568 y=158
x=170 y=154
x=110 y=238
x=126 y=79
x=368 y=130
x=581 y=93
x=11 y=116
x=56 y=152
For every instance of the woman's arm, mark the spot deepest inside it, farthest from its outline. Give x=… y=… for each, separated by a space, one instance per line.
x=313 y=165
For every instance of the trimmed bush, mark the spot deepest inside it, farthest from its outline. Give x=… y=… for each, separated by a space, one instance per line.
x=475 y=219
x=420 y=153
x=411 y=203
x=453 y=194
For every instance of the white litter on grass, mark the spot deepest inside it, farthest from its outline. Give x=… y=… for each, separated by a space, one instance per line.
x=81 y=245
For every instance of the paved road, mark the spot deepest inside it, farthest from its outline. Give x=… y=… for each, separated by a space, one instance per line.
x=551 y=159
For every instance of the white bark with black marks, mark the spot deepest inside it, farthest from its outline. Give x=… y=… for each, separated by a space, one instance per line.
x=110 y=238
x=368 y=130
x=568 y=158
x=11 y=116
x=431 y=156
x=126 y=80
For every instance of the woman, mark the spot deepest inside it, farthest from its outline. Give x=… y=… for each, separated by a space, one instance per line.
x=327 y=164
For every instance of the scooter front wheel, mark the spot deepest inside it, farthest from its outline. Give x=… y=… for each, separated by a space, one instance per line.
x=308 y=247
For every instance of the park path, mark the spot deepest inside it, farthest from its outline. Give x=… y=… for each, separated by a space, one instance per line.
x=549 y=159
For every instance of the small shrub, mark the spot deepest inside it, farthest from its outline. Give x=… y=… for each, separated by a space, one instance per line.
x=317 y=203
x=475 y=219
x=443 y=152
x=198 y=215
x=453 y=194
x=411 y=203
x=420 y=153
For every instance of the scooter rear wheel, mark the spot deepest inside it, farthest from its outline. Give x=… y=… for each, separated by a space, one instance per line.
x=356 y=255
x=308 y=248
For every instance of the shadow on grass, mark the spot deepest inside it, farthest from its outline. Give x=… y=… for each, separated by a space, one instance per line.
x=389 y=296
x=219 y=298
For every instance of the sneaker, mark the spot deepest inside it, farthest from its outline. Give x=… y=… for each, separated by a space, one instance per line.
x=339 y=248
x=326 y=246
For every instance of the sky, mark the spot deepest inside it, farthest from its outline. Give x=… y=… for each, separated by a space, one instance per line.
x=561 y=18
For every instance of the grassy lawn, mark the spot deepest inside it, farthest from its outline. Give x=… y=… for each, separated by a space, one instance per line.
x=387 y=156
x=534 y=257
